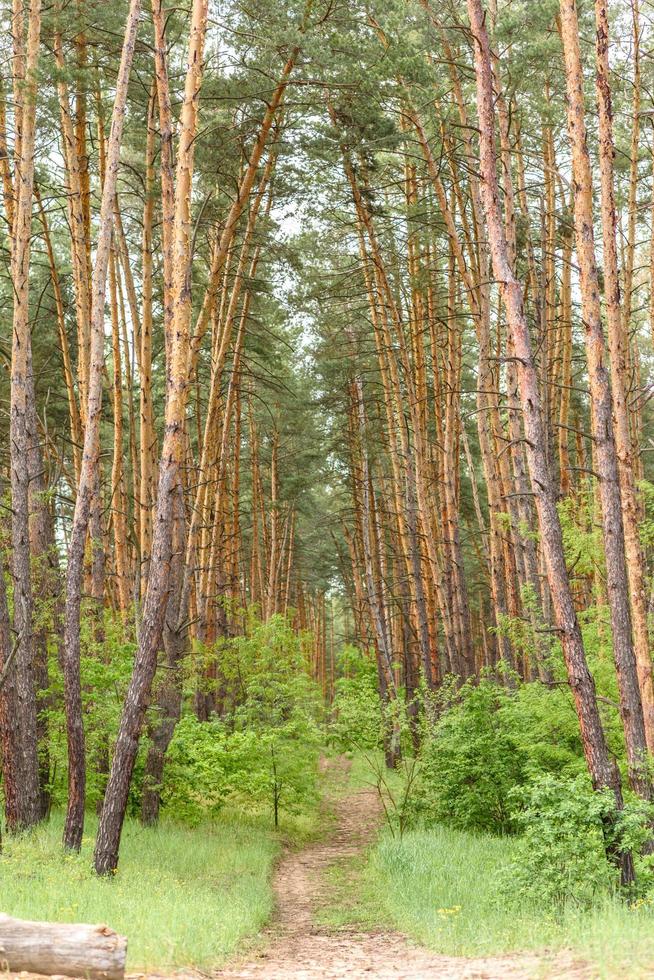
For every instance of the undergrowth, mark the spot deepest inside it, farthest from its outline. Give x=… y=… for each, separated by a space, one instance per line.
x=446 y=888
x=183 y=896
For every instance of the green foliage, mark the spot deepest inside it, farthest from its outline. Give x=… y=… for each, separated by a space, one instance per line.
x=106 y=669
x=518 y=631
x=357 y=720
x=646 y=525
x=261 y=754
x=582 y=536
x=560 y=856
x=261 y=770
x=543 y=722
x=489 y=741
x=264 y=676
x=565 y=828
x=471 y=762
x=440 y=886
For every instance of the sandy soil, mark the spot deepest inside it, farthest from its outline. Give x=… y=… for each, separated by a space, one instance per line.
x=296 y=946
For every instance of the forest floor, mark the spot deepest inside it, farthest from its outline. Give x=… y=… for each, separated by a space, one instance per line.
x=301 y=943
x=324 y=925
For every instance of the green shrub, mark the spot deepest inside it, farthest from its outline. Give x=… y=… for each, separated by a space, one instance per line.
x=544 y=723
x=255 y=771
x=263 y=675
x=491 y=740
x=565 y=827
x=470 y=763
x=261 y=754
x=357 y=719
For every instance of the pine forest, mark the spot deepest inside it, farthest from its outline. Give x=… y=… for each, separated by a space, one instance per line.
x=327 y=488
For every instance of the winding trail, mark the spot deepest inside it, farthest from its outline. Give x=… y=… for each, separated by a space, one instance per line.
x=296 y=946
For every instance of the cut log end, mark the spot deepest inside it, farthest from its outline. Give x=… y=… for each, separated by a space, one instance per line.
x=61 y=949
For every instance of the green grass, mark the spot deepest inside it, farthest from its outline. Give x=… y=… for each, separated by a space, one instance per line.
x=440 y=887
x=365 y=769
x=346 y=902
x=362 y=769
x=183 y=897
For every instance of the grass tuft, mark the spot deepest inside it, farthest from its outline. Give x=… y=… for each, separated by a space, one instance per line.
x=440 y=886
x=183 y=897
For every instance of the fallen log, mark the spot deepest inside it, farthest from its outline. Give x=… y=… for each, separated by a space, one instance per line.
x=72 y=950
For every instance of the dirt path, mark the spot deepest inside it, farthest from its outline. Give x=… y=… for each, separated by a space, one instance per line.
x=296 y=946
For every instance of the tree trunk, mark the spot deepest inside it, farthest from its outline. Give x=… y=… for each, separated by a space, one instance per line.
x=606 y=461
x=26 y=810
x=172 y=453
x=147 y=435
x=9 y=734
x=89 y=475
x=603 y=771
x=618 y=339
x=169 y=695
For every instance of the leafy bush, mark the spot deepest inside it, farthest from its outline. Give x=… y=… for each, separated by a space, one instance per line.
x=260 y=757
x=357 y=720
x=582 y=537
x=263 y=770
x=261 y=754
x=565 y=827
x=491 y=740
x=470 y=763
x=263 y=675
x=544 y=723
